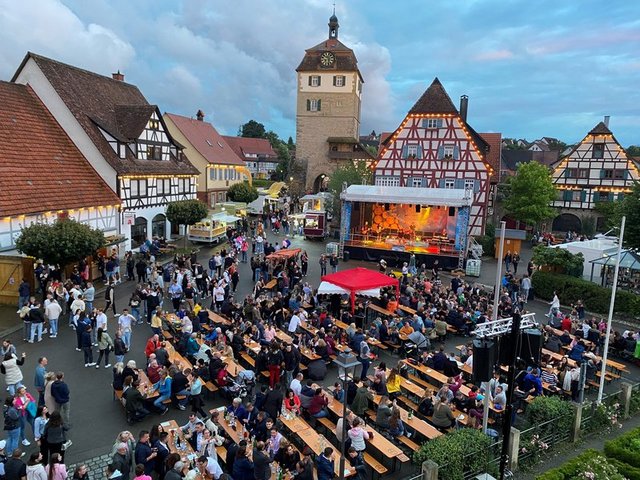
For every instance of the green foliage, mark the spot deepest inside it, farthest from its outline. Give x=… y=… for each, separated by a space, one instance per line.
x=589 y=225
x=465 y=450
x=631 y=209
x=252 y=129
x=60 y=243
x=353 y=173
x=576 y=468
x=544 y=409
x=612 y=213
x=625 y=448
x=186 y=212
x=595 y=298
x=488 y=240
x=242 y=192
x=560 y=260
x=531 y=191
x=262 y=183
x=633 y=150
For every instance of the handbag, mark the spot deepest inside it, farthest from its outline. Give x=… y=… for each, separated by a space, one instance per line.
x=31 y=408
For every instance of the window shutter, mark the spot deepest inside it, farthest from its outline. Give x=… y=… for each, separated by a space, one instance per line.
x=567 y=195
x=602 y=173
x=440 y=152
x=310 y=77
x=625 y=175
x=456 y=152
x=439 y=123
x=424 y=123
x=419 y=152
x=583 y=196
x=596 y=196
x=405 y=151
x=566 y=173
x=319 y=105
x=308 y=105
x=459 y=183
x=335 y=80
x=441 y=183
x=476 y=186
x=319 y=80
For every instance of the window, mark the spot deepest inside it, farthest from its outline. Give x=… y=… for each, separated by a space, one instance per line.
x=154 y=124
x=571 y=173
x=606 y=173
x=138 y=188
x=339 y=81
x=154 y=152
x=387 y=181
x=412 y=150
x=598 y=150
x=431 y=123
x=313 y=106
x=448 y=151
x=619 y=174
x=416 y=182
x=583 y=173
x=576 y=195
x=604 y=196
x=314 y=81
x=469 y=184
x=449 y=183
x=163 y=186
x=221 y=197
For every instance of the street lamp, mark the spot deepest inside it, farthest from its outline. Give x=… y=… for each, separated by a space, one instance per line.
x=347 y=363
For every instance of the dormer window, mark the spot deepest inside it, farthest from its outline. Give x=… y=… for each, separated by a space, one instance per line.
x=412 y=150
x=154 y=124
x=154 y=152
x=431 y=123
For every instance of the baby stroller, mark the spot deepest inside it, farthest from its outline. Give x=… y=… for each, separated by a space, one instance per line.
x=242 y=386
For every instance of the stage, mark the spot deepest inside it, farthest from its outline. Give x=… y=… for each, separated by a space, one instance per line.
x=395 y=222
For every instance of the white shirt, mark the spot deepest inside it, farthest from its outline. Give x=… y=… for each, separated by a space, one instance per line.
x=294 y=323
x=219 y=293
x=77 y=304
x=53 y=310
x=101 y=321
x=213 y=468
x=124 y=322
x=296 y=386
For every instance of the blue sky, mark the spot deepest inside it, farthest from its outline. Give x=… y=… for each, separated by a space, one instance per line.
x=530 y=68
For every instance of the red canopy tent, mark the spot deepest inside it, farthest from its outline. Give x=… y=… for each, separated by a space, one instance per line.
x=360 y=278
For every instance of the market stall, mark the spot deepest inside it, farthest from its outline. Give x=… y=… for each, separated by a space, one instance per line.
x=360 y=279
x=629 y=276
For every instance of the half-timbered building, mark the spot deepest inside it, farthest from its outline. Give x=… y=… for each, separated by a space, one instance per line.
x=219 y=165
x=43 y=175
x=434 y=147
x=596 y=170
x=123 y=137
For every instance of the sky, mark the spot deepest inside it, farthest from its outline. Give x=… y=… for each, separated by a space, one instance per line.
x=531 y=68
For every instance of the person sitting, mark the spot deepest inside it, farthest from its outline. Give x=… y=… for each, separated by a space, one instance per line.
x=531 y=384
x=553 y=343
x=383 y=414
x=292 y=402
x=565 y=338
x=439 y=359
x=236 y=409
x=577 y=351
x=450 y=368
x=442 y=418
x=134 y=403
x=319 y=402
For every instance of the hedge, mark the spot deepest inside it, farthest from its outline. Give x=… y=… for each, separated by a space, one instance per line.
x=589 y=461
x=594 y=297
x=544 y=409
x=625 y=448
x=464 y=450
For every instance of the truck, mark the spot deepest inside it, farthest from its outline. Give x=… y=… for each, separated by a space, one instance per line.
x=211 y=230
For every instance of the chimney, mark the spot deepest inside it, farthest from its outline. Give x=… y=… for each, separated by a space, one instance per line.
x=118 y=76
x=464 y=106
x=200 y=115
x=606 y=120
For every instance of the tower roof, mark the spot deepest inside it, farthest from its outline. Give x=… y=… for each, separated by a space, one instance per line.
x=434 y=100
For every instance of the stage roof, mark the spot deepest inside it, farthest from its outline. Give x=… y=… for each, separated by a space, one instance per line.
x=450 y=197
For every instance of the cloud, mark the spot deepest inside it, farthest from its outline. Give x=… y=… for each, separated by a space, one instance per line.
x=494 y=55
x=52 y=29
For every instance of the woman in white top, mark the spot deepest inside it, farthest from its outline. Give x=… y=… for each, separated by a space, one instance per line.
x=358 y=435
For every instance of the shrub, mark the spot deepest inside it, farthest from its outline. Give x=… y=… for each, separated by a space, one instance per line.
x=465 y=450
x=595 y=298
x=262 y=183
x=590 y=465
x=545 y=409
x=625 y=448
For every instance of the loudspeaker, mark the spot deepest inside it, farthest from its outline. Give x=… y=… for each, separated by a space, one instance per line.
x=530 y=346
x=484 y=359
x=386 y=207
x=452 y=211
x=505 y=350
x=417 y=208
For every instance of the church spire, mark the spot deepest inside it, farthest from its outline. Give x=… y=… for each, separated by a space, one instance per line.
x=333 y=24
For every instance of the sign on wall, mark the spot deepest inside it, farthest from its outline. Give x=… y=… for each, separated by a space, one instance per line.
x=129 y=218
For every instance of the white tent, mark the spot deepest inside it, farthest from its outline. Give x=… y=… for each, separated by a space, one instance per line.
x=327 y=288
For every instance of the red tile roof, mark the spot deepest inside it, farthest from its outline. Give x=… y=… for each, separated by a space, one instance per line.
x=244 y=146
x=115 y=106
x=206 y=140
x=493 y=156
x=41 y=169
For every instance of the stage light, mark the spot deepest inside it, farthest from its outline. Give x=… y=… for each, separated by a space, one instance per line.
x=417 y=208
x=386 y=207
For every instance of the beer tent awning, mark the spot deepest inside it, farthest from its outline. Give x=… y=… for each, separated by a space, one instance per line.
x=357 y=279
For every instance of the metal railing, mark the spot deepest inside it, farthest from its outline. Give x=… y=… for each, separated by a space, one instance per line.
x=491 y=465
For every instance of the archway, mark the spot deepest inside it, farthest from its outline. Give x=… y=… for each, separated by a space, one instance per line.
x=321 y=183
x=159 y=226
x=138 y=232
x=565 y=222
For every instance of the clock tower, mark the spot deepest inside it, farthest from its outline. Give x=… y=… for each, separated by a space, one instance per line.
x=328 y=109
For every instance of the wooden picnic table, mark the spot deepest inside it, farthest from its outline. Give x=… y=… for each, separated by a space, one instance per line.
x=283 y=337
x=146 y=387
x=419 y=425
x=439 y=377
x=317 y=443
x=215 y=318
x=234 y=434
x=174 y=430
x=295 y=424
x=380 y=310
x=406 y=309
x=309 y=354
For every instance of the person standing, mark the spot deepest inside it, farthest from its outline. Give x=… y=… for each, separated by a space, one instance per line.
x=119 y=348
x=105 y=345
x=87 y=347
x=554 y=305
x=144 y=454
x=24 y=292
x=60 y=394
x=11 y=369
x=52 y=311
x=109 y=298
x=54 y=436
x=323 y=264
x=125 y=325
x=36 y=316
x=334 y=263
x=304 y=263
x=515 y=260
x=363 y=355
x=507 y=261
x=11 y=425
x=26 y=406
x=89 y=296
x=525 y=285
x=41 y=372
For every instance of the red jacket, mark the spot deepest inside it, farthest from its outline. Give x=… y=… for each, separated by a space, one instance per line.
x=151 y=347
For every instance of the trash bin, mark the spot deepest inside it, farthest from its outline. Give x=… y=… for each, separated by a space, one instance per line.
x=345 y=255
x=332 y=248
x=473 y=267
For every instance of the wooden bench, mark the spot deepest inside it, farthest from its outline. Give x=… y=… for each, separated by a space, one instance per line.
x=375 y=465
x=167 y=336
x=210 y=386
x=412 y=405
x=302 y=367
x=421 y=382
x=222 y=453
x=327 y=424
x=248 y=358
x=403 y=458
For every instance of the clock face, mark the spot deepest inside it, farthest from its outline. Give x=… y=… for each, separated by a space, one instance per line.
x=327 y=59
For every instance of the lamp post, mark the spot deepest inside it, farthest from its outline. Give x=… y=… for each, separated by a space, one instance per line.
x=347 y=363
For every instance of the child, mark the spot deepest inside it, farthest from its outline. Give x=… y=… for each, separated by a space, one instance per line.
x=42 y=417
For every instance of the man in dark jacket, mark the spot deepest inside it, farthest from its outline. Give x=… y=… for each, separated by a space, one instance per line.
x=439 y=359
x=450 y=368
x=325 y=465
x=36 y=317
x=261 y=463
x=273 y=401
x=87 y=347
x=144 y=454
x=60 y=393
x=135 y=404
x=122 y=460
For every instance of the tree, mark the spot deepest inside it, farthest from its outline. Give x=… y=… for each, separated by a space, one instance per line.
x=531 y=191
x=630 y=207
x=186 y=212
x=252 y=129
x=559 y=260
x=60 y=243
x=633 y=150
x=351 y=173
x=242 y=192
x=611 y=212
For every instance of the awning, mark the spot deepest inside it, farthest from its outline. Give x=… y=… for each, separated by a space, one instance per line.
x=450 y=197
x=327 y=288
x=628 y=259
x=359 y=279
x=223 y=217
